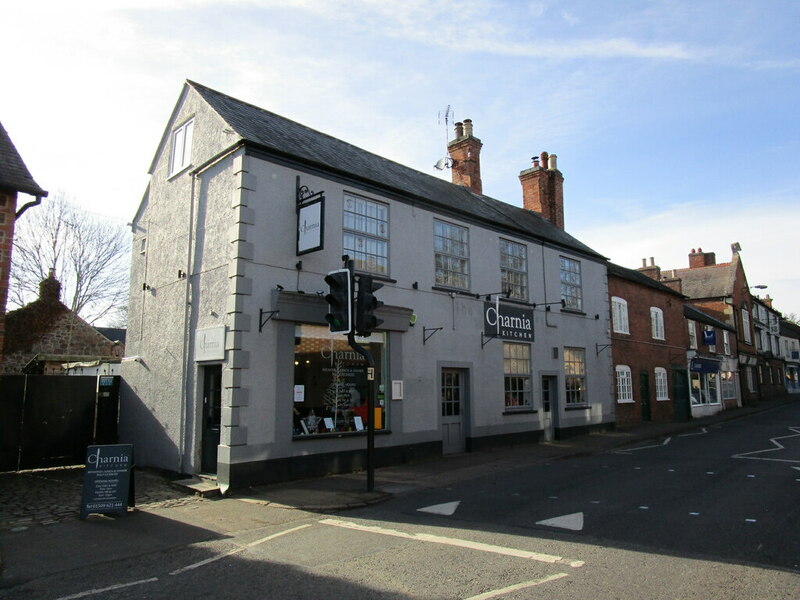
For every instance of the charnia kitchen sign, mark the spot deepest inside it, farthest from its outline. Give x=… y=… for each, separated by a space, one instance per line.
x=507 y=321
x=106 y=479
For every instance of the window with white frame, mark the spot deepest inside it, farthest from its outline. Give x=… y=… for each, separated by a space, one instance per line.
x=451 y=254
x=517 y=375
x=571 y=291
x=657 y=323
x=692 y=334
x=746 y=325
x=619 y=315
x=181 y=148
x=365 y=234
x=575 y=375
x=624 y=383
x=662 y=387
x=726 y=342
x=514 y=269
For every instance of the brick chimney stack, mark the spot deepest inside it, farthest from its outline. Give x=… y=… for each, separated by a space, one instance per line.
x=465 y=150
x=698 y=259
x=653 y=271
x=543 y=189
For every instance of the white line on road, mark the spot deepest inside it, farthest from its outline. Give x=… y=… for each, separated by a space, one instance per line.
x=519 y=586
x=110 y=588
x=778 y=446
x=629 y=450
x=236 y=550
x=448 y=541
x=702 y=431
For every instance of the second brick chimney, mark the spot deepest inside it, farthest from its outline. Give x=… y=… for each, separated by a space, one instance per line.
x=698 y=259
x=465 y=150
x=653 y=271
x=543 y=189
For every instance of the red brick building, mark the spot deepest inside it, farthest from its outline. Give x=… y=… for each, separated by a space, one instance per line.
x=14 y=178
x=648 y=345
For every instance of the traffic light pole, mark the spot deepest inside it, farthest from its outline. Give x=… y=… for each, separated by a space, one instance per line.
x=351 y=338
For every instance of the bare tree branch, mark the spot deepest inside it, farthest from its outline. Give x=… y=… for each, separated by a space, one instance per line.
x=90 y=256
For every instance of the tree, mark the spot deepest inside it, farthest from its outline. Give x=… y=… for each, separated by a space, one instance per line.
x=89 y=254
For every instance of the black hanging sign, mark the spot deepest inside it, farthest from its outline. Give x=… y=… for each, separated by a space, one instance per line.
x=508 y=322
x=107 y=479
x=310 y=219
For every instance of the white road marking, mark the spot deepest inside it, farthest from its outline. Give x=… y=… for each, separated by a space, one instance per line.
x=519 y=586
x=573 y=522
x=751 y=520
x=237 y=550
x=703 y=431
x=110 y=588
x=629 y=450
x=695 y=514
x=644 y=508
x=778 y=447
x=448 y=541
x=447 y=509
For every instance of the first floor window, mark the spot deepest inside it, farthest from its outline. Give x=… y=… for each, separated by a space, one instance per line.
x=657 y=322
x=692 y=334
x=575 y=375
x=365 y=232
x=451 y=255
x=624 y=384
x=662 y=389
x=726 y=343
x=619 y=315
x=517 y=375
x=571 y=290
x=514 y=269
x=181 y=148
x=331 y=385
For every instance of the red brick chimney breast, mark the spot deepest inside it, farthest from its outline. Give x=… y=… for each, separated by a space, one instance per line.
x=465 y=151
x=543 y=189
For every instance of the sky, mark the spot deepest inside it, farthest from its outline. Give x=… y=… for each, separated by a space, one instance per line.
x=676 y=123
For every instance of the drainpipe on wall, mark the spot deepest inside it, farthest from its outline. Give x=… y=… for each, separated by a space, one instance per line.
x=186 y=325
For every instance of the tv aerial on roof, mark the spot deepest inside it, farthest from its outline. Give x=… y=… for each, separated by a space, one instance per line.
x=445 y=117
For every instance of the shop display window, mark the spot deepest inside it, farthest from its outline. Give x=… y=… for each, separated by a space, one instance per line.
x=331 y=384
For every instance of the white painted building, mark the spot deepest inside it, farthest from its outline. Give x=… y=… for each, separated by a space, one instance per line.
x=236 y=371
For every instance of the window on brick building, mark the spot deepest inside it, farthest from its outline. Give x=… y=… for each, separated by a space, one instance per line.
x=692 y=333
x=657 y=322
x=662 y=389
x=624 y=383
x=619 y=315
x=746 y=326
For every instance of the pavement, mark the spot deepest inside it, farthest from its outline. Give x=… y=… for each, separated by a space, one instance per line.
x=33 y=504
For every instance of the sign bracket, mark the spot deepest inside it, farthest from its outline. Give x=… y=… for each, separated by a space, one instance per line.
x=262 y=321
x=598 y=348
x=485 y=339
x=426 y=336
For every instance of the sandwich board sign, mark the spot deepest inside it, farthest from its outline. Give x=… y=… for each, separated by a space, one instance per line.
x=107 y=479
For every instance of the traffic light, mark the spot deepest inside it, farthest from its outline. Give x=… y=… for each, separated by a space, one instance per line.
x=340 y=301
x=366 y=304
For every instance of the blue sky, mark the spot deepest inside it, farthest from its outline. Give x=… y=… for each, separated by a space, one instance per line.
x=676 y=123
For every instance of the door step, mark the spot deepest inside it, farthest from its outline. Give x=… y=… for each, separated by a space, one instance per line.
x=200 y=486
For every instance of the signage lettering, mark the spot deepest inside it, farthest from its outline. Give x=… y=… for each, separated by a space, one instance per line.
x=507 y=322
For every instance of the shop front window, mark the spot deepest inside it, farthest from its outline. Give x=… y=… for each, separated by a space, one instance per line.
x=704 y=388
x=331 y=382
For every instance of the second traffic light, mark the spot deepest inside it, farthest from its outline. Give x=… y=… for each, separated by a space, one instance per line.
x=366 y=305
x=340 y=301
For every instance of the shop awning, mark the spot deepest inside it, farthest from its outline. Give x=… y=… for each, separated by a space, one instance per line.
x=704 y=365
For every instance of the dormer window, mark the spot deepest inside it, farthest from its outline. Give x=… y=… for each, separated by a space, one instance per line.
x=181 y=148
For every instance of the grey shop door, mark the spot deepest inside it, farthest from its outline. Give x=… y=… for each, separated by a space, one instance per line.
x=453 y=405
x=212 y=409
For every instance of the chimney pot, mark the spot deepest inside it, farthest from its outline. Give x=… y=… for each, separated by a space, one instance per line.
x=652 y=262
x=552 y=162
x=644 y=262
x=459 y=130
x=543 y=156
x=468 y=127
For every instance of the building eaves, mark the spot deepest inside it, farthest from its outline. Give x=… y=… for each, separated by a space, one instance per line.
x=282 y=137
x=695 y=314
x=13 y=172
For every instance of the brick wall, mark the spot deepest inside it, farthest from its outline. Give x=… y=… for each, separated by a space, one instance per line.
x=8 y=206
x=639 y=351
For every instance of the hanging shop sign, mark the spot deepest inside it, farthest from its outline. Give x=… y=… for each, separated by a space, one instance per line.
x=507 y=321
x=310 y=219
x=703 y=365
x=709 y=337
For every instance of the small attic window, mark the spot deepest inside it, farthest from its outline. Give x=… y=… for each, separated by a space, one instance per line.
x=181 y=148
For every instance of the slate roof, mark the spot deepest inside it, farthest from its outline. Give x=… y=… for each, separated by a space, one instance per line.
x=789 y=329
x=115 y=334
x=640 y=278
x=695 y=314
x=13 y=172
x=716 y=281
x=283 y=137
